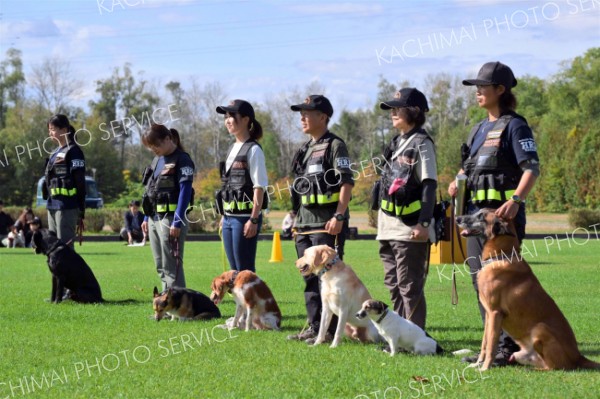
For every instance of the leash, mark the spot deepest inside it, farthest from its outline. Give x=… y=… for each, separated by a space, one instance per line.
x=79 y=230
x=454 y=229
x=174 y=244
x=223 y=255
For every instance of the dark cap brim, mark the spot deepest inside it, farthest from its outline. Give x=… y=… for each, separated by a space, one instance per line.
x=476 y=82
x=224 y=110
x=391 y=104
x=300 y=107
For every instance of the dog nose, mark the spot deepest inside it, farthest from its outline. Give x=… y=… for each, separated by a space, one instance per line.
x=459 y=219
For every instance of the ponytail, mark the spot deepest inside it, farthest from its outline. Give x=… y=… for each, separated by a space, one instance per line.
x=255 y=129
x=157 y=133
x=176 y=138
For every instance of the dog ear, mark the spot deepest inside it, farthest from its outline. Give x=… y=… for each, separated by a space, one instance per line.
x=155 y=292
x=322 y=254
x=385 y=306
x=501 y=228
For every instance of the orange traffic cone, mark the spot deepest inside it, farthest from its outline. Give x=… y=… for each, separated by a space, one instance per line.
x=276 y=255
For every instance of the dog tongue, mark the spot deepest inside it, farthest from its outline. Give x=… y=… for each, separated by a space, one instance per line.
x=464 y=233
x=396 y=185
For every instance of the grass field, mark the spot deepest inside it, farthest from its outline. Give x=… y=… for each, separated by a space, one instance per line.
x=116 y=351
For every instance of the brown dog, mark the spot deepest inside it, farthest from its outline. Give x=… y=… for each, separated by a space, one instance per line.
x=250 y=294
x=515 y=301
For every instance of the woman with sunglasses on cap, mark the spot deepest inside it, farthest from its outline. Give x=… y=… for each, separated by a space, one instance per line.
x=501 y=164
x=407 y=198
x=64 y=184
x=242 y=195
x=166 y=200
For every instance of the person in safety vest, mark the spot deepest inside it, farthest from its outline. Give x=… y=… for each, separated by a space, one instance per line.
x=405 y=225
x=320 y=195
x=64 y=183
x=168 y=197
x=244 y=180
x=501 y=163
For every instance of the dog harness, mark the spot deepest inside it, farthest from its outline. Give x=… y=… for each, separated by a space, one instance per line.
x=327 y=267
x=380 y=319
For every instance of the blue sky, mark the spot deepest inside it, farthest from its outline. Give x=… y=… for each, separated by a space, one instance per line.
x=258 y=48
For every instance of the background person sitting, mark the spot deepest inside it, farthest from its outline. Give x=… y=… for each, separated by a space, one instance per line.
x=5 y=223
x=133 y=224
x=22 y=225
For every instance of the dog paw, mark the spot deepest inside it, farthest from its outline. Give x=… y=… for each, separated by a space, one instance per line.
x=475 y=365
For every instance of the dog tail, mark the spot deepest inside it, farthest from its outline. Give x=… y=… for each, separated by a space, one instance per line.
x=585 y=363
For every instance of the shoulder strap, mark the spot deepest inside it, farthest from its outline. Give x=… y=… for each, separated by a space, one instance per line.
x=501 y=123
x=246 y=148
x=473 y=132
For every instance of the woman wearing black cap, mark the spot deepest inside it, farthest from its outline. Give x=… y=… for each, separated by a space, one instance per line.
x=64 y=185
x=244 y=177
x=501 y=163
x=407 y=199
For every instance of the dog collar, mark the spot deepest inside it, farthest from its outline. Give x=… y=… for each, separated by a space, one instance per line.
x=57 y=245
x=235 y=273
x=329 y=265
x=380 y=319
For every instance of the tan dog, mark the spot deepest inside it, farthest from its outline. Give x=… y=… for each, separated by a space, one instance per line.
x=515 y=301
x=342 y=294
x=250 y=294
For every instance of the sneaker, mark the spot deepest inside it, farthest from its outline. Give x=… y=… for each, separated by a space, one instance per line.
x=328 y=338
x=303 y=335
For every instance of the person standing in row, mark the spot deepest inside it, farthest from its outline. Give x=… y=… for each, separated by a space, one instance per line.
x=244 y=180
x=405 y=220
x=501 y=163
x=320 y=195
x=64 y=184
x=168 y=195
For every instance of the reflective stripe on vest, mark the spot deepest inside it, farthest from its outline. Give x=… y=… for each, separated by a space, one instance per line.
x=389 y=206
x=63 y=191
x=321 y=199
x=229 y=206
x=164 y=208
x=491 y=194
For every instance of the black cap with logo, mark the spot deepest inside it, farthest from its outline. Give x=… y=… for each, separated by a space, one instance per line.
x=315 y=102
x=36 y=220
x=407 y=97
x=237 y=107
x=493 y=73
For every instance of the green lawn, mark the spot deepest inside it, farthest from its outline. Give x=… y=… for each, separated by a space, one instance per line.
x=116 y=351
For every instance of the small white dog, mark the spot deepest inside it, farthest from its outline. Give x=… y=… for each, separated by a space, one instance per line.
x=397 y=331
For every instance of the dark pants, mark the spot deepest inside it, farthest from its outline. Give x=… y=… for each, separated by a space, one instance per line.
x=474 y=251
x=312 y=292
x=405 y=267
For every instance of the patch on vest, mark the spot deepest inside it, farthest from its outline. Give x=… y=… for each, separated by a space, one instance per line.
x=169 y=166
x=187 y=171
x=317 y=154
x=528 y=145
x=343 y=163
x=77 y=163
x=314 y=169
x=491 y=143
x=494 y=134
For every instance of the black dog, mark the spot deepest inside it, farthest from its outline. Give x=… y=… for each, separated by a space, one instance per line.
x=68 y=269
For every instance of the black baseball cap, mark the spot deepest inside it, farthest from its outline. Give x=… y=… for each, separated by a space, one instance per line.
x=134 y=203
x=315 y=102
x=237 y=107
x=493 y=73
x=36 y=220
x=407 y=97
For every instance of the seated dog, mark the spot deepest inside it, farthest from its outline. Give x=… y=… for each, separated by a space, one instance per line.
x=342 y=294
x=69 y=270
x=183 y=304
x=397 y=331
x=250 y=294
x=515 y=301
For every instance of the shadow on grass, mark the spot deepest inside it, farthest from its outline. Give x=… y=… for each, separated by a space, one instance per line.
x=457 y=328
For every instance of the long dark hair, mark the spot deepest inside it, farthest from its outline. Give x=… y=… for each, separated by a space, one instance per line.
x=62 y=122
x=157 y=133
x=507 y=102
x=255 y=129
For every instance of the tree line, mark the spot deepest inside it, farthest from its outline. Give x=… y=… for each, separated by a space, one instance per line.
x=563 y=111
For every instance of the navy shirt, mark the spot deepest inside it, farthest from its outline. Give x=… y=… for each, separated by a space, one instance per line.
x=517 y=141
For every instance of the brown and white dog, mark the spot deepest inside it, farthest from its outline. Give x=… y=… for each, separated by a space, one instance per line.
x=515 y=301
x=251 y=295
x=342 y=294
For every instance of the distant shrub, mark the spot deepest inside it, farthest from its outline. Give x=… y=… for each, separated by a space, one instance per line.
x=582 y=217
